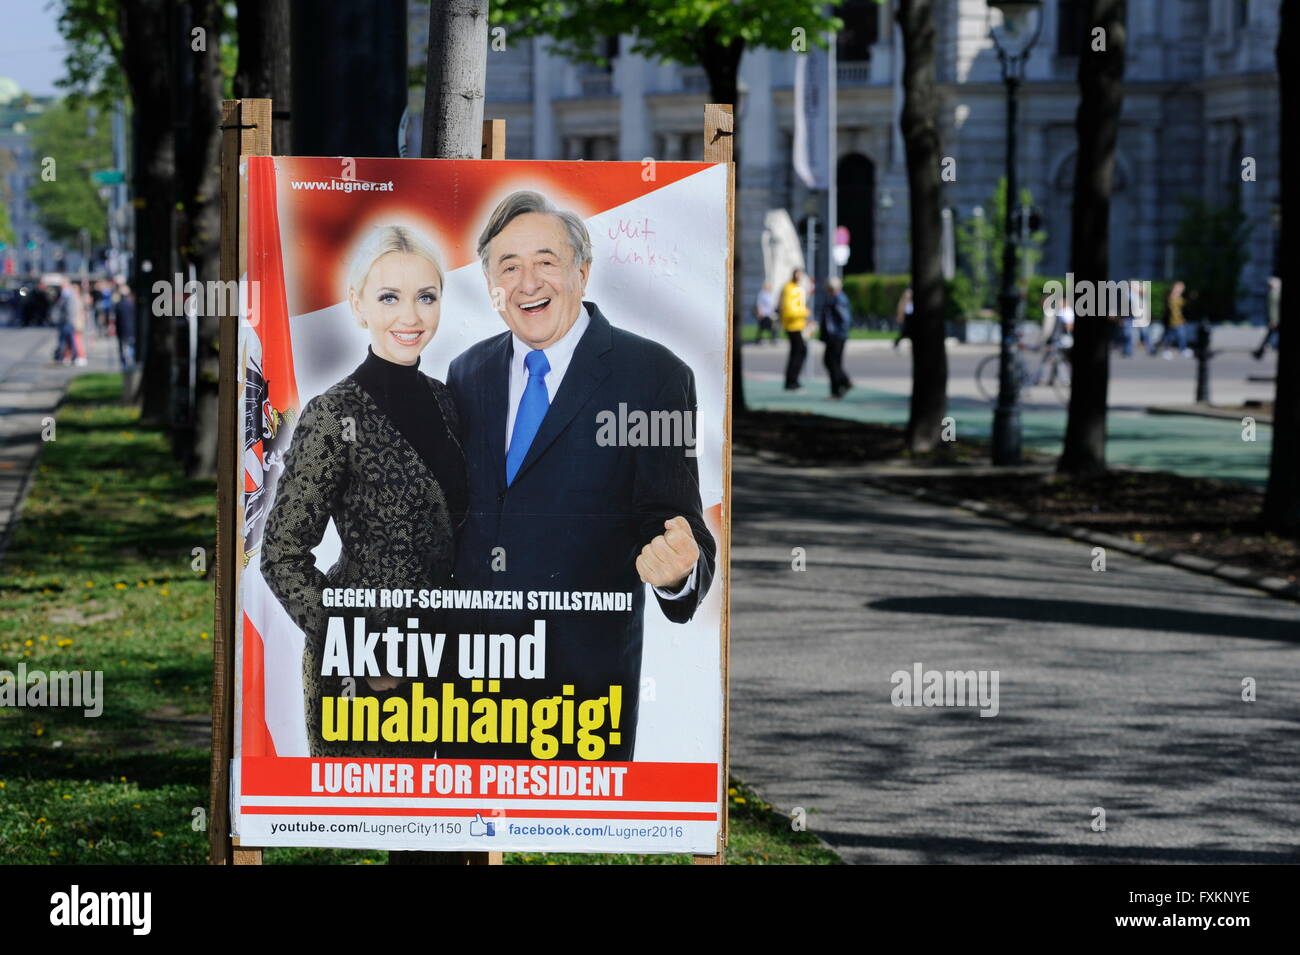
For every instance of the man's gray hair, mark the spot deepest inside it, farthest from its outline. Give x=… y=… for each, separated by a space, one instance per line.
x=523 y=202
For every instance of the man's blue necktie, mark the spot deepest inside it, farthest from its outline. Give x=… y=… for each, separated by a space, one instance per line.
x=532 y=409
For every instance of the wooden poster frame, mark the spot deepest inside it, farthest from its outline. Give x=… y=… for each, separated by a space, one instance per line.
x=246 y=131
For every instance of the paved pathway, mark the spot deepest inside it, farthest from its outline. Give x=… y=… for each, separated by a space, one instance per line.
x=31 y=387
x=1119 y=690
x=1201 y=447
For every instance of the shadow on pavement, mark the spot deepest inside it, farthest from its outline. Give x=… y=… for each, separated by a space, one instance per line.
x=1083 y=614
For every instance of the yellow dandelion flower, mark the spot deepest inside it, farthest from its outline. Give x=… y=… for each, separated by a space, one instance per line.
x=119 y=586
x=66 y=796
x=40 y=820
x=157 y=833
x=90 y=583
x=29 y=642
x=136 y=806
x=203 y=635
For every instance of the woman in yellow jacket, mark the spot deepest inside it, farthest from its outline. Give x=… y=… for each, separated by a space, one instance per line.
x=794 y=316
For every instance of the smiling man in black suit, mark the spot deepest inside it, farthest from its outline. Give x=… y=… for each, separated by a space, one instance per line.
x=554 y=505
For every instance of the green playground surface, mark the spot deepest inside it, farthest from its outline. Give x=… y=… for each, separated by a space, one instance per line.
x=1184 y=444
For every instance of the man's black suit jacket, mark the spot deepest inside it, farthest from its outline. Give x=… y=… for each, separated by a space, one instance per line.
x=577 y=514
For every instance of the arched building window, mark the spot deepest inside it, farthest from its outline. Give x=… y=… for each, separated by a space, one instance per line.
x=855 y=185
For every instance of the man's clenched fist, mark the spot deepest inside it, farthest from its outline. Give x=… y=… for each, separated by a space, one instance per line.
x=668 y=559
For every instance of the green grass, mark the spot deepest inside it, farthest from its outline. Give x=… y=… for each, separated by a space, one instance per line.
x=100 y=575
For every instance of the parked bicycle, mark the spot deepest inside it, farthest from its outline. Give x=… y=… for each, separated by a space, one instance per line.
x=1052 y=370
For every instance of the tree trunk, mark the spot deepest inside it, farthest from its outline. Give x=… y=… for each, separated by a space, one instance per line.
x=145 y=28
x=1282 y=498
x=1101 y=95
x=457 y=75
x=722 y=66
x=200 y=181
x=921 y=139
x=263 y=71
x=453 y=129
x=348 y=77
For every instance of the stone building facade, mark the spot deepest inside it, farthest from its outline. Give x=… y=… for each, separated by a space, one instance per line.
x=1200 y=95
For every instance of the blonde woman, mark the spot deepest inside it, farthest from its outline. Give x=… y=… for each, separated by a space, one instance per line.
x=378 y=454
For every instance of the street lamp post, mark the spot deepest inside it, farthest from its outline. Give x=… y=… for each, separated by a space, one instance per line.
x=1013 y=38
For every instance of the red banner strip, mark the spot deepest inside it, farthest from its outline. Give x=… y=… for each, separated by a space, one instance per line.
x=498 y=779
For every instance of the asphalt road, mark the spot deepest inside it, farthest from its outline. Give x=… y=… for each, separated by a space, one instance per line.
x=1118 y=690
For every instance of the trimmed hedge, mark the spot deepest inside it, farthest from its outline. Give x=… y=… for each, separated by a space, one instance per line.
x=876 y=295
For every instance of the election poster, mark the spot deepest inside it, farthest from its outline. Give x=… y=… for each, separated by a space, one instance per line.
x=483 y=445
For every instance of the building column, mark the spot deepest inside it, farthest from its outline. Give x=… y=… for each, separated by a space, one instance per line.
x=545 y=144
x=634 y=142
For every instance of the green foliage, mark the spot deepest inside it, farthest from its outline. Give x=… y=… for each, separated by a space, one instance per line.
x=980 y=241
x=1210 y=251
x=6 y=225
x=7 y=167
x=77 y=136
x=94 y=49
x=876 y=295
x=93 y=62
x=680 y=31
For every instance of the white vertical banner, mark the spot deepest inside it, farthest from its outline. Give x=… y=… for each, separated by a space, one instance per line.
x=812 y=117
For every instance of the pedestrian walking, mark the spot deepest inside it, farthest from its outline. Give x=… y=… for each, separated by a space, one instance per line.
x=903 y=316
x=834 y=319
x=63 y=315
x=1174 y=338
x=81 y=318
x=794 y=317
x=1274 y=315
x=764 y=311
x=124 y=318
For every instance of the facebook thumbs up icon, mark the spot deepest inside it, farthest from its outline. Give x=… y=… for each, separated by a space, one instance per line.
x=478 y=827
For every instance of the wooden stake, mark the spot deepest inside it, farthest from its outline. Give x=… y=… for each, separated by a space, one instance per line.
x=494 y=147
x=494 y=139
x=719 y=133
x=246 y=131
